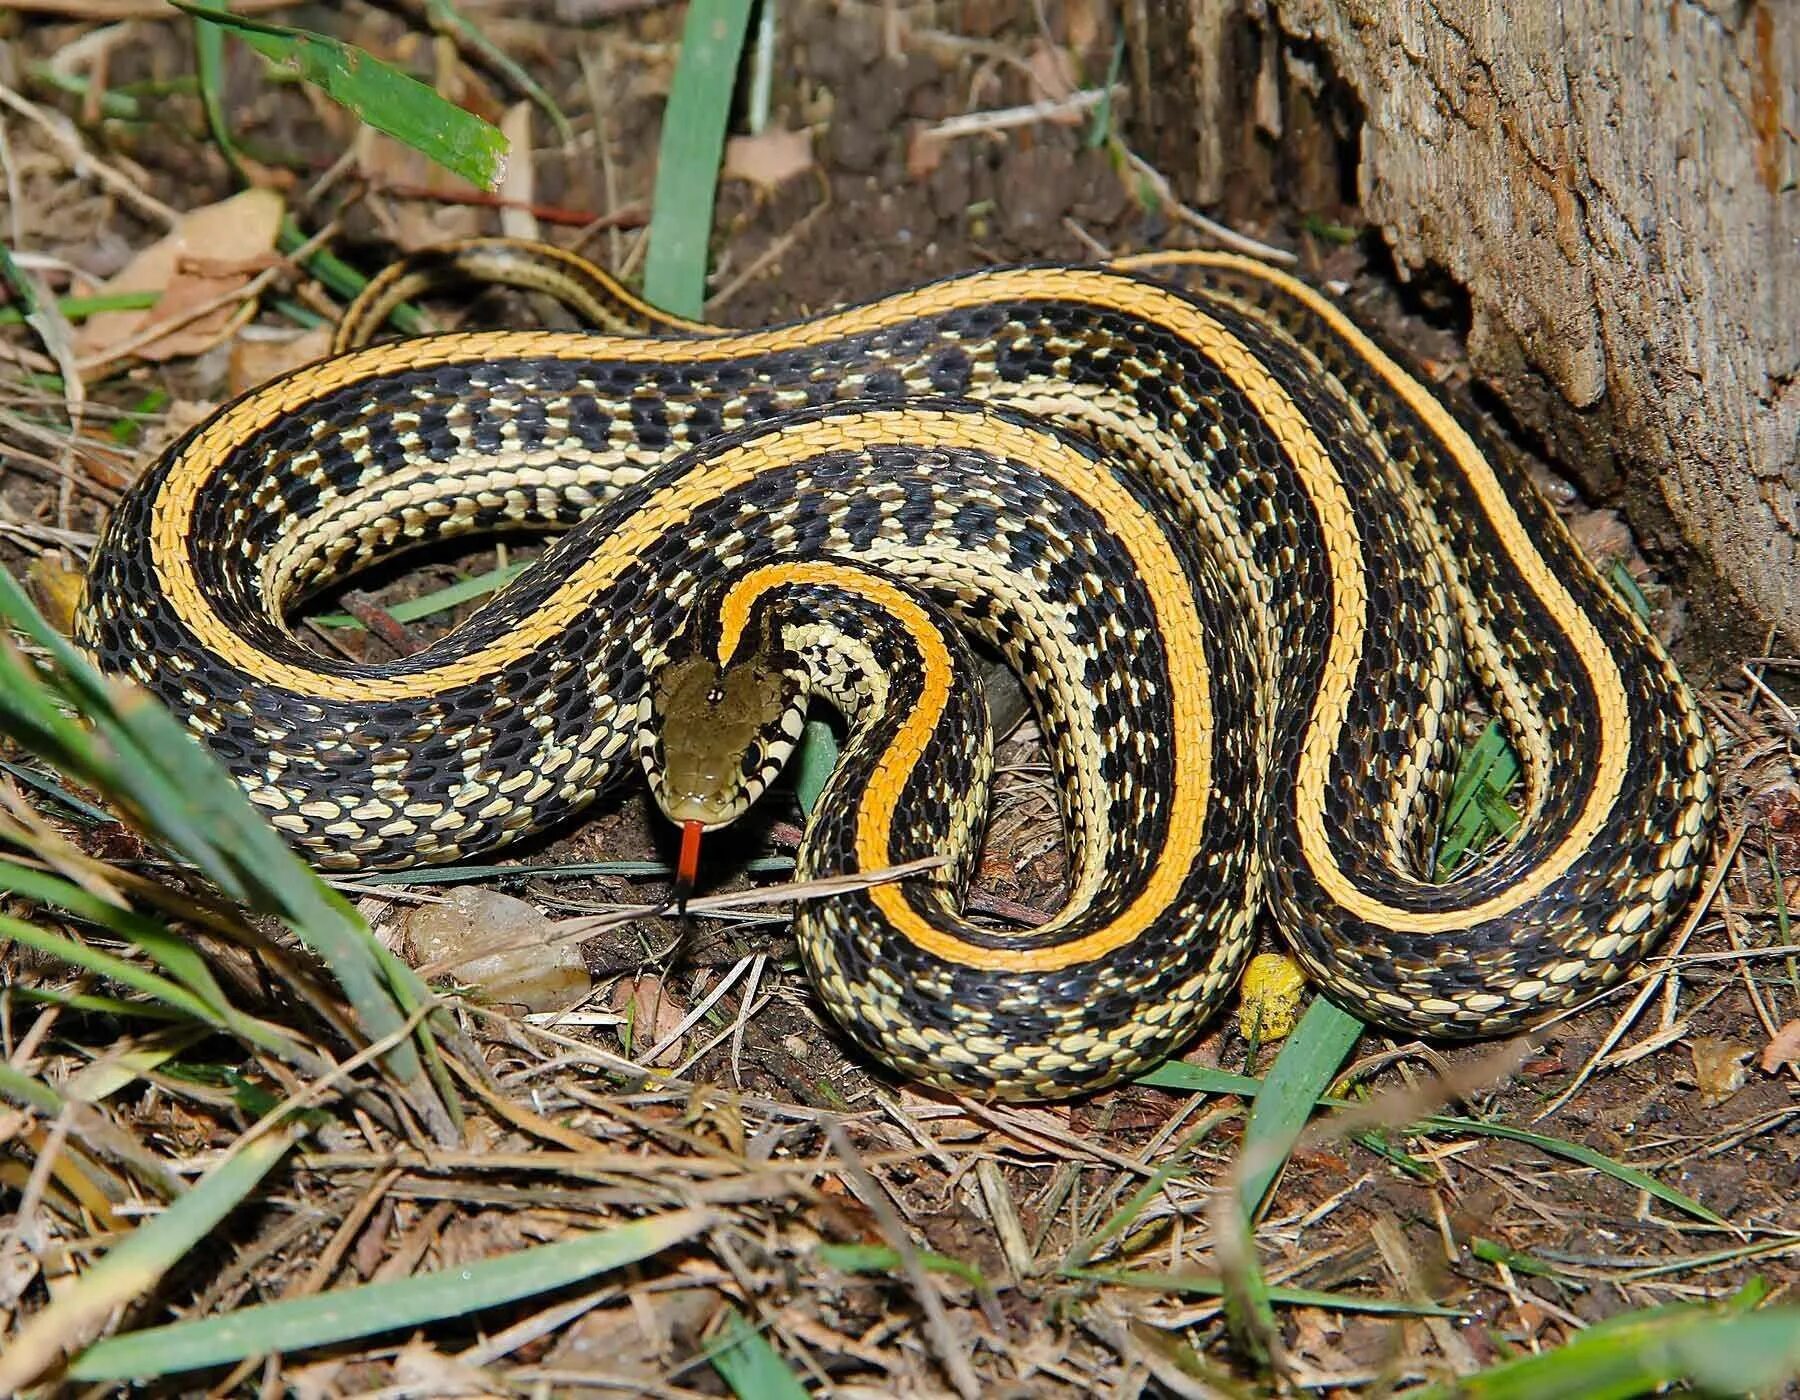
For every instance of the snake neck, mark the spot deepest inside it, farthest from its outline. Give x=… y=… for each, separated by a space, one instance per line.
x=912 y=780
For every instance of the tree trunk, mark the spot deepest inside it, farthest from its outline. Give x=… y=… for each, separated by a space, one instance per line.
x=1617 y=187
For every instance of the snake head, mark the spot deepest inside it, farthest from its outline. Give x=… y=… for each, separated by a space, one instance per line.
x=713 y=735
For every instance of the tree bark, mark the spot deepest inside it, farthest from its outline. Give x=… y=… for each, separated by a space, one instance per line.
x=1617 y=187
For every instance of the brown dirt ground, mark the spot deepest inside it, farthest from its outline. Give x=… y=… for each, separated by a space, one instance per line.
x=868 y=218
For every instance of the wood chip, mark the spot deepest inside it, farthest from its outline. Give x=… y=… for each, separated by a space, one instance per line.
x=769 y=158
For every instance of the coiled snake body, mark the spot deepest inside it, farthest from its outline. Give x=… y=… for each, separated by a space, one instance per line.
x=1236 y=552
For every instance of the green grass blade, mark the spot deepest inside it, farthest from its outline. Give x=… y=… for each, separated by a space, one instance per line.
x=412 y=609
x=54 y=790
x=1493 y=1252
x=136 y=753
x=687 y=162
x=28 y=1091
x=1203 y=1079
x=341 y=279
x=1724 y=1352
x=457 y=874
x=1204 y=1286
x=378 y=93
x=884 y=1259
x=80 y=308
x=209 y=67
x=132 y=1267
x=126 y=974
x=814 y=761
x=319 y=1319
x=175 y=955
x=749 y=1365
x=1574 y=1152
x=1477 y=811
x=447 y=18
x=1302 y=1072
x=99 y=1004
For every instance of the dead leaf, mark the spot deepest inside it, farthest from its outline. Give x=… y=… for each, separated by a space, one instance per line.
x=654 y=1013
x=58 y=590
x=214 y=251
x=769 y=158
x=1602 y=534
x=255 y=362
x=423 y=1367
x=412 y=220
x=618 y=1341
x=1783 y=1049
x=1052 y=75
x=1086 y=21
x=1718 y=1068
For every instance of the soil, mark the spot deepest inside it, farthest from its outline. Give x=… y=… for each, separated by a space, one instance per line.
x=881 y=209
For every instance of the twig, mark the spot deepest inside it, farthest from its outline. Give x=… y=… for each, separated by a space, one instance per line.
x=1220 y=233
x=1007 y=118
x=83 y=161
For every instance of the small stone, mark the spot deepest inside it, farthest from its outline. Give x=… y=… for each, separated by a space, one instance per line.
x=500 y=945
x=1718 y=1068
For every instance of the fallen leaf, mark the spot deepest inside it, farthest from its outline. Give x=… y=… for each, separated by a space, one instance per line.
x=769 y=158
x=634 y=1343
x=1718 y=1068
x=404 y=181
x=214 y=251
x=1602 y=534
x=654 y=1012
x=1052 y=75
x=1086 y=21
x=1783 y=1049
x=424 y=1368
x=500 y=944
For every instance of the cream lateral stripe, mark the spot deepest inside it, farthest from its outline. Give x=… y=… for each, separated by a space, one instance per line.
x=1614 y=716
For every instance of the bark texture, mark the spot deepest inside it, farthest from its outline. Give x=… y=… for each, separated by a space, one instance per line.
x=1616 y=185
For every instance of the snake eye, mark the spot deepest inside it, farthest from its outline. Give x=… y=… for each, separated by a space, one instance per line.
x=714 y=737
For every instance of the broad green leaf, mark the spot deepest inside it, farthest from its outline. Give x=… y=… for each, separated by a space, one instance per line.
x=378 y=93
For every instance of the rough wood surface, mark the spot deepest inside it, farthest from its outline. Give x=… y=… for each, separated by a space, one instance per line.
x=1617 y=186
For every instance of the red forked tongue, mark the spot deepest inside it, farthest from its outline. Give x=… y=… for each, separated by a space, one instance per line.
x=687 y=867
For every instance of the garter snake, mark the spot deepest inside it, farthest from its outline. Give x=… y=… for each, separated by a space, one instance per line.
x=1238 y=554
